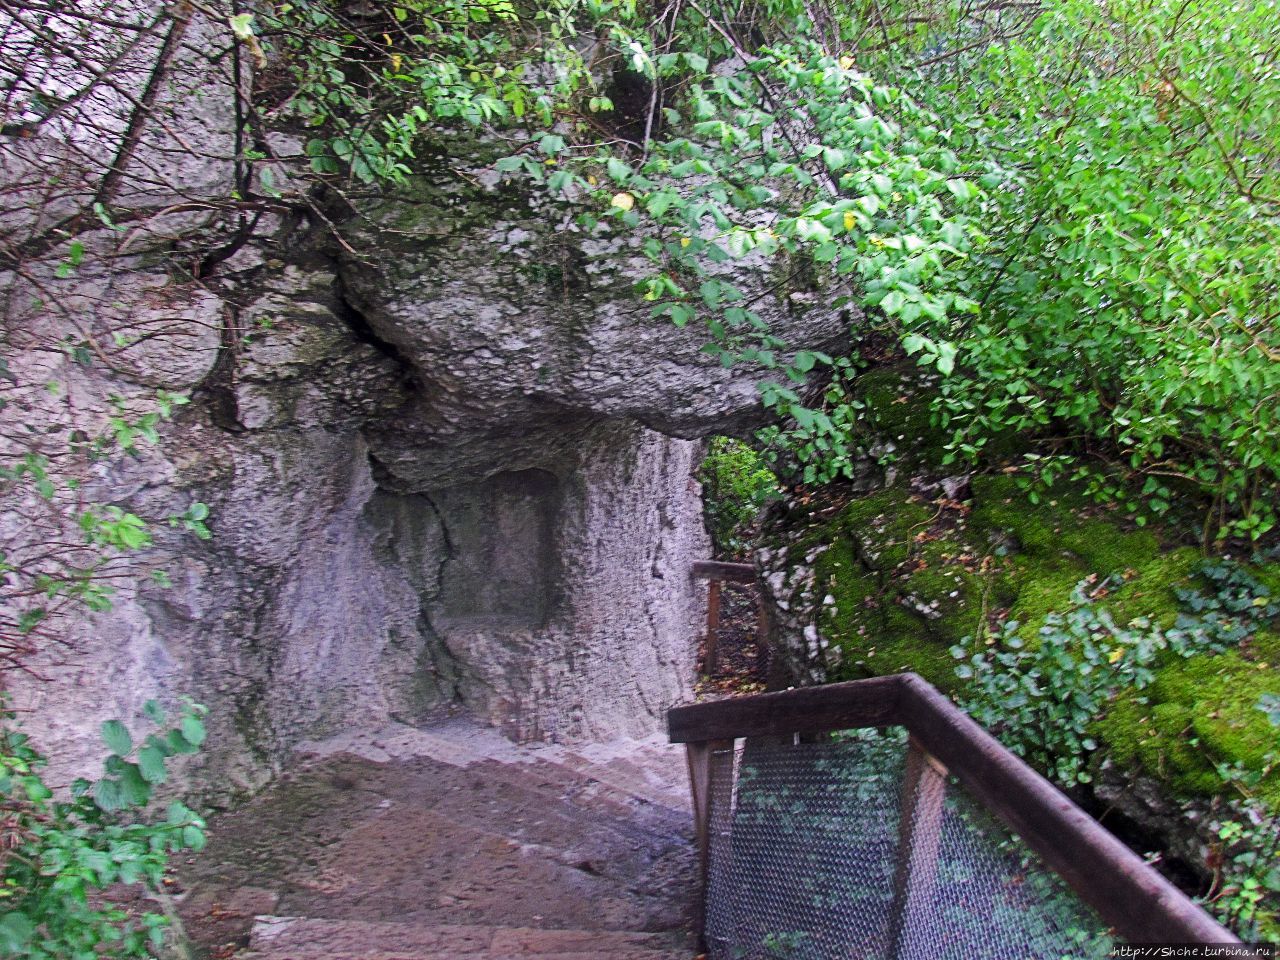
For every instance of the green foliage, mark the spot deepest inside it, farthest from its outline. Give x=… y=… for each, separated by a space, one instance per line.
x=861 y=195
x=63 y=860
x=1067 y=210
x=1249 y=835
x=366 y=85
x=736 y=486
x=1044 y=699
x=1047 y=701
x=1129 y=290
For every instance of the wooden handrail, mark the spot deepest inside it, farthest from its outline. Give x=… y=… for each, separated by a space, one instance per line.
x=1131 y=897
x=719 y=570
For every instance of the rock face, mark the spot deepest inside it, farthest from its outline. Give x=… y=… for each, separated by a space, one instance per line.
x=439 y=474
x=449 y=457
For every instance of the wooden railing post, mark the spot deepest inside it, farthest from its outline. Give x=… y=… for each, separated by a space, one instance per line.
x=708 y=760
x=924 y=784
x=713 y=627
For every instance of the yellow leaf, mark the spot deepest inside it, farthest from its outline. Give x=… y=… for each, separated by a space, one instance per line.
x=850 y=221
x=396 y=60
x=1115 y=654
x=846 y=63
x=623 y=201
x=685 y=241
x=592 y=180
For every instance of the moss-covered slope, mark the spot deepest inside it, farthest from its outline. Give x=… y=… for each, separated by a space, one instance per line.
x=902 y=579
x=892 y=580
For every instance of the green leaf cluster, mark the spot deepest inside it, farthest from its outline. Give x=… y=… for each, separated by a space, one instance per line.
x=1129 y=291
x=1043 y=699
x=737 y=484
x=65 y=859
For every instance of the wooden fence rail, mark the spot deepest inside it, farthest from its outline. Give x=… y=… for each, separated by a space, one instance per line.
x=1131 y=897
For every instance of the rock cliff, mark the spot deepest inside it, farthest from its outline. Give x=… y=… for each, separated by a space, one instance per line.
x=449 y=461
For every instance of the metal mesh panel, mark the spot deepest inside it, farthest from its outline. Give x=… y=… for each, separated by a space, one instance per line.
x=811 y=859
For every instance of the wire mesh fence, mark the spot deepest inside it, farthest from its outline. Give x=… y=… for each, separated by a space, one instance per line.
x=841 y=849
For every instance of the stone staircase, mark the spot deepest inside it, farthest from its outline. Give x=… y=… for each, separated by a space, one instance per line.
x=452 y=842
x=290 y=938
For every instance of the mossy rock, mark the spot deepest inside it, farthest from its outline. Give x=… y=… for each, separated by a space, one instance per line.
x=906 y=578
x=1201 y=712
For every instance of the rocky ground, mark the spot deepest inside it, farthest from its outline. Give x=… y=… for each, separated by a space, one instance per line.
x=450 y=841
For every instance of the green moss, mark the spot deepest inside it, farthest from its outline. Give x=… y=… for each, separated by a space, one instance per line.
x=1199 y=713
x=900 y=411
x=908 y=581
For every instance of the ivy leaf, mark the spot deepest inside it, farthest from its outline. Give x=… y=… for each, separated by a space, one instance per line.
x=108 y=795
x=116 y=736
x=193 y=730
x=660 y=202
x=946 y=358
x=134 y=788
x=193 y=838
x=179 y=744
x=617 y=170
x=680 y=314
x=962 y=190
x=151 y=764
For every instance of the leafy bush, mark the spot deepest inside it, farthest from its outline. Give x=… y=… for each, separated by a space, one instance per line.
x=736 y=486
x=1042 y=700
x=59 y=857
x=1128 y=290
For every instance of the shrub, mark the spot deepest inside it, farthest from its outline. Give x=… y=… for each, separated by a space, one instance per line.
x=60 y=858
x=736 y=486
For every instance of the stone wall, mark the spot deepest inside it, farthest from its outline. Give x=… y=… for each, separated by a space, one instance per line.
x=449 y=456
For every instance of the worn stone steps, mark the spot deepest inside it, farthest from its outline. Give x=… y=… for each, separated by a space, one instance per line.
x=649 y=771
x=301 y=938
x=423 y=842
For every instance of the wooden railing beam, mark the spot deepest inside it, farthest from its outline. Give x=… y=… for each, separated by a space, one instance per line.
x=873 y=703
x=718 y=570
x=1138 y=902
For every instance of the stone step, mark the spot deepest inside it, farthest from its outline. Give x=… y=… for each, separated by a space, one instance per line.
x=301 y=938
x=455 y=832
x=652 y=770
